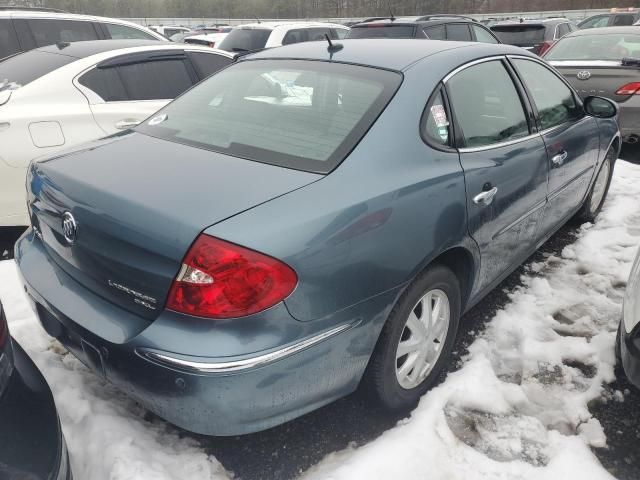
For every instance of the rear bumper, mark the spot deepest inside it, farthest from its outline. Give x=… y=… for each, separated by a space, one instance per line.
x=303 y=366
x=31 y=440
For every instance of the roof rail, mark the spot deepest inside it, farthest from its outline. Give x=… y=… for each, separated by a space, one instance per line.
x=375 y=19
x=31 y=9
x=444 y=15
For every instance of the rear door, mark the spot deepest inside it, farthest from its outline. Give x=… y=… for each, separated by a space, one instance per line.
x=572 y=139
x=125 y=90
x=504 y=162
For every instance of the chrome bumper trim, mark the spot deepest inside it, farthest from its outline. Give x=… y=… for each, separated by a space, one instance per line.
x=247 y=363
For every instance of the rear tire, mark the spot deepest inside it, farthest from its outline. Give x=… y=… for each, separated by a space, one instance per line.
x=398 y=380
x=599 y=190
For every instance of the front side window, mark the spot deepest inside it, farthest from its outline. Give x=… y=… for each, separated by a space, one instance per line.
x=8 y=40
x=299 y=114
x=595 y=22
x=49 y=31
x=298 y=35
x=435 y=121
x=623 y=19
x=487 y=105
x=553 y=99
x=482 y=35
x=458 y=32
x=123 y=32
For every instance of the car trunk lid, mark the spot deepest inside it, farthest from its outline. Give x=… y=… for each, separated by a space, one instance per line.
x=138 y=203
x=601 y=78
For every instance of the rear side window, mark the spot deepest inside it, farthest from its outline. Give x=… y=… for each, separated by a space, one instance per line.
x=487 y=105
x=435 y=33
x=435 y=121
x=8 y=40
x=123 y=32
x=482 y=35
x=340 y=33
x=245 y=39
x=299 y=114
x=29 y=66
x=553 y=99
x=381 y=30
x=208 y=63
x=153 y=80
x=49 y=31
x=295 y=36
x=520 y=35
x=458 y=32
x=563 y=29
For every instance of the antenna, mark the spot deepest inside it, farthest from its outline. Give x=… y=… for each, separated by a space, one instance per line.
x=257 y=19
x=391 y=14
x=333 y=47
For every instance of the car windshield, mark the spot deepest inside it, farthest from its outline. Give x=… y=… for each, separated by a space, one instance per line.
x=24 y=68
x=245 y=39
x=382 y=30
x=596 y=47
x=299 y=114
x=520 y=34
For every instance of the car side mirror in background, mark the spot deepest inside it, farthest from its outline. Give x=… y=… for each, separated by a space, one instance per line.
x=600 y=107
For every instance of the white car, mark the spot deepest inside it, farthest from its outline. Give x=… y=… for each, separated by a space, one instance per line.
x=22 y=29
x=211 y=40
x=256 y=36
x=169 y=30
x=59 y=96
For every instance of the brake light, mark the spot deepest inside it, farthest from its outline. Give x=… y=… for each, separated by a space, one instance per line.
x=629 y=89
x=223 y=280
x=4 y=329
x=544 y=47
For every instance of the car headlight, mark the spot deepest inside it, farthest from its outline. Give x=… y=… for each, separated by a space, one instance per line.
x=631 y=309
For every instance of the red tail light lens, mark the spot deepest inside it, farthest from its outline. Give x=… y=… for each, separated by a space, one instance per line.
x=4 y=329
x=544 y=47
x=629 y=89
x=223 y=280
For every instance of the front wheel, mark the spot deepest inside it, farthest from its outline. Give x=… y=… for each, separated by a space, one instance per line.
x=416 y=342
x=598 y=194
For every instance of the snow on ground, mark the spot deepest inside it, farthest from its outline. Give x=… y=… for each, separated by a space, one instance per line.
x=516 y=409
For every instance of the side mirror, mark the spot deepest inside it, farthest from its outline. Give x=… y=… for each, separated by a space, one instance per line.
x=600 y=107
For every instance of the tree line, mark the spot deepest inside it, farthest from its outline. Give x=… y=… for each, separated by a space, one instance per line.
x=308 y=8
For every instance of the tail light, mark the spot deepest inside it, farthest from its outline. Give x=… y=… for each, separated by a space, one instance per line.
x=223 y=280
x=544 y=47
x=4 y=329
x=629 y=89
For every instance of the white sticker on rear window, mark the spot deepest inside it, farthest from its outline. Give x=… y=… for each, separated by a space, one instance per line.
x=439 y=116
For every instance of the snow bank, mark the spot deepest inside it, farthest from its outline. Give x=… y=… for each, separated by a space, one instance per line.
x=518 y=408
x=107 y=433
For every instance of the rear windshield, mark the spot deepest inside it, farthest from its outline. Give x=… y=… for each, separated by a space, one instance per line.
x=377 y=30
x=519 y=34
x=245 y=39
x=24 y=68
x=298 y=114
x=595 y=47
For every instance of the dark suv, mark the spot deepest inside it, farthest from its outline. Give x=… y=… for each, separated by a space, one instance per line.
x=537 y=36
x=430 y=27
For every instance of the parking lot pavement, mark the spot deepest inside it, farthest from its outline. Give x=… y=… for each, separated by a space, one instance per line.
x=286 y=451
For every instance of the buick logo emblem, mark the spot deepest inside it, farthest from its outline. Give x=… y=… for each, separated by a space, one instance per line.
x=584 y=75
x=69 y=228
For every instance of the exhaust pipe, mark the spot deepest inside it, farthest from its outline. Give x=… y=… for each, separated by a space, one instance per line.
x=631 y=139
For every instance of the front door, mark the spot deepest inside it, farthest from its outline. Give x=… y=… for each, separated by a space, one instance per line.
x=571 y=138
x=505 y=165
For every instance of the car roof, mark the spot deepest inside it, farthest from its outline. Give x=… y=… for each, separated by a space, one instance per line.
x=392 y=54
x=291 y=24
x=420 y=20
x=631 y=30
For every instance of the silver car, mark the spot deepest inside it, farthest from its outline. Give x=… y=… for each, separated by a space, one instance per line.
x=604 y=62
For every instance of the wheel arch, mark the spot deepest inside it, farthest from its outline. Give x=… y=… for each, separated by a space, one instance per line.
x=463 y=264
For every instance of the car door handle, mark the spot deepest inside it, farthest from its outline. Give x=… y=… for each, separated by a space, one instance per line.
x=485 y=198
x=128 y=123
x=558 y=160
